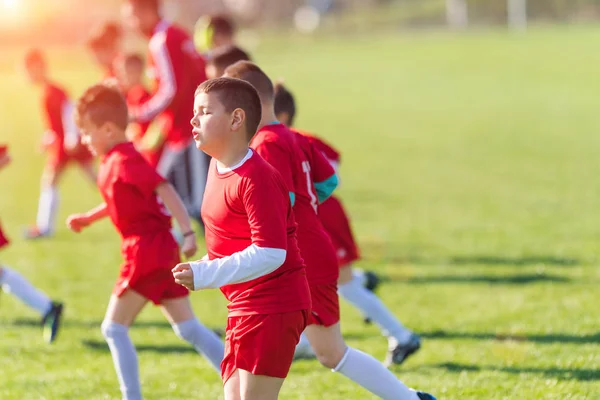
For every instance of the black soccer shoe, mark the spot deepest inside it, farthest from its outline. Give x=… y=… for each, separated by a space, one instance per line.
x=51 y=322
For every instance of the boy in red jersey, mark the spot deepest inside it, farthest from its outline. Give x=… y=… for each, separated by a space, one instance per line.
x=253 y=254
x=130 y=73
x=282 y=149
x=61 y=143
x=12 y=282
x=351 y=284
x=134 y=195
x=105 y=45
x=177 y=69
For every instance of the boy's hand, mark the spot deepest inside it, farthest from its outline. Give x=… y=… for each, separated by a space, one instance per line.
x=77 y=222
x=4 y=160
x=184 y=275
x=189 y=246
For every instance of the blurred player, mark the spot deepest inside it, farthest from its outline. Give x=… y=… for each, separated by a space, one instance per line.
x=222 y=58
x=177 y=70
x=213 y=32
x=310 y=181
x=402 y=342
x=253 y=254
x=105 y=45
x=134 y=195
x=130 y=73
x=12 y=282
x=61 y=142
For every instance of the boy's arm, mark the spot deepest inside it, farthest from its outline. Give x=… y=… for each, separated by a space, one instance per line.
x=173 y=202
x=267 y=208
x=77 y=222
x=324 y=176
x=4 y=157
x=167 y=83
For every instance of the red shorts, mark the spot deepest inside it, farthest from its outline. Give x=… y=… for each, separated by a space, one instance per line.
x=325 y=305
x=3 y=239
x=58 y=158
x=147 y=267
x=336 y=223
x=262 y=344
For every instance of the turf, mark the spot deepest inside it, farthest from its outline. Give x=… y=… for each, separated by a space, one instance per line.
x=470 y=166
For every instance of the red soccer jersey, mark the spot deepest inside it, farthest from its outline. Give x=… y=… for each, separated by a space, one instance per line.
x=177 y=69
x=331 y=153
x=247 y=206
x=54 y=103
x=281 y=148
x=128 y=183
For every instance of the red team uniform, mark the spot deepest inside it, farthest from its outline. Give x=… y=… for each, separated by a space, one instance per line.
x=331 y=212
x=284 y=150
x=136 y=96
x=250 y=206
x=128 y=183
x=57 y=111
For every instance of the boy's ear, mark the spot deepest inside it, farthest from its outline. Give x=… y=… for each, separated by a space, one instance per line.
x=238 y=117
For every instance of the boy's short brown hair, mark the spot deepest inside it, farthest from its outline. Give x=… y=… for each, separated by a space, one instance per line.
x=251 y=73
x=103 y=103
x=105 y=36
x=221 y=25
x=235 y=93
x=284 y=102
x=225 y=56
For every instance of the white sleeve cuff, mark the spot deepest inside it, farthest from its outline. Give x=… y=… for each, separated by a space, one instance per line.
x=243 y=266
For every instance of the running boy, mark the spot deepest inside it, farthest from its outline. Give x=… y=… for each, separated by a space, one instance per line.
x=253 y=254
x=61 y=143
x=12 y=282
x=401 y=342
x=134 y=195
x=280 y=147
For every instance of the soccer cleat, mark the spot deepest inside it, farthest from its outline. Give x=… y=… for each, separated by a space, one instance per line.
x=51 y=322
x=425 y=396
x=372 y=282
x=34 y=232
x=399 y=353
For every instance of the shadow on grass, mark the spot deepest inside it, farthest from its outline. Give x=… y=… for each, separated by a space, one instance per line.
x=521 y=337
x=552 y=372
x=514 y=261
x=520 y=279
x=67 y=323
x=98 y=345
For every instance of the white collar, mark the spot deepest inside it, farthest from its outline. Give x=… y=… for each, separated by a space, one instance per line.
x=222 y=170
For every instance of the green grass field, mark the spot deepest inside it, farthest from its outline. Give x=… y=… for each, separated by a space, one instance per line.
x=471 y=173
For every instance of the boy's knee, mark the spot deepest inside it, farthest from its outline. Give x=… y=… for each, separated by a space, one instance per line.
x=111 y=329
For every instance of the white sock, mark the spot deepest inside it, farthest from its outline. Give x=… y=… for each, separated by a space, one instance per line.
x=371 y=306
x=303 y=348
x=124 y=358
x=14 y=283
x=47 y=208
x=373 y=376
x=205 y=341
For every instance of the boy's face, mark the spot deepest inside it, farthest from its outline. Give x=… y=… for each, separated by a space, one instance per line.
x=103 y=57
x=220 y=39
x=35 y=73
x=138 y=17
x=96 y=138
x=212 y=125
